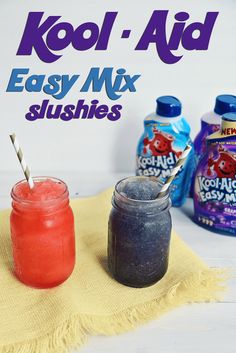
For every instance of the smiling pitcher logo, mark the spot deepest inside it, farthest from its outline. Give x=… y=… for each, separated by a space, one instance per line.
x=224 y=166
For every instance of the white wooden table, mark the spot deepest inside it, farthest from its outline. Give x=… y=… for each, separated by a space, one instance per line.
x=198 y=328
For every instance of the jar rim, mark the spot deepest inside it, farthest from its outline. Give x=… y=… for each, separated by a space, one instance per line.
x=144 y=202
x=62 y=195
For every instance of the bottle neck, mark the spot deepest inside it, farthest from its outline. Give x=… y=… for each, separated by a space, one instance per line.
x=211 y=118
x=163 y=119
x=228 y=128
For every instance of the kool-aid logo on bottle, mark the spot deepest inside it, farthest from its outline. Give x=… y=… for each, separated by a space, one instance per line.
x=220 y=183
x=219 y=189
x=158 y=155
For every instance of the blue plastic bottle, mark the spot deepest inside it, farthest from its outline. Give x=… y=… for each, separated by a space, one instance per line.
x=166 y=134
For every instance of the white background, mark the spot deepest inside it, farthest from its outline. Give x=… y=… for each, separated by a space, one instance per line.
x=101 y=145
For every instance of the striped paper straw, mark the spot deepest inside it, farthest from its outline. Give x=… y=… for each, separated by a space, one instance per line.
x=22 y=161
x=174 y=171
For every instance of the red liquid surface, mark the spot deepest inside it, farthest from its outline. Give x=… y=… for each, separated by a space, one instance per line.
x=43 y=190
x=42 y=230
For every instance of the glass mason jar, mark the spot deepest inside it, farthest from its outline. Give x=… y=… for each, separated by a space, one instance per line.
x=42 y=232
x=138 y=237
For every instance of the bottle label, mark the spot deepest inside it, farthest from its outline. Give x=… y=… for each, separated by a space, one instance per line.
x=215 y=187
x=158 y=155
x=158 y=151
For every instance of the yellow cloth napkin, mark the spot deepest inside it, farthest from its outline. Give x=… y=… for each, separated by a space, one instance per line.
x=91 y=302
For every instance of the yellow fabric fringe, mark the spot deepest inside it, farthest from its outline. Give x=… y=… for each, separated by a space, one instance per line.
x=91 y=302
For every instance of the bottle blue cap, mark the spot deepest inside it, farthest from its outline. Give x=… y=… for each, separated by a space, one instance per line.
x=229 y=116
x=168 y=106
x=225 y=103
